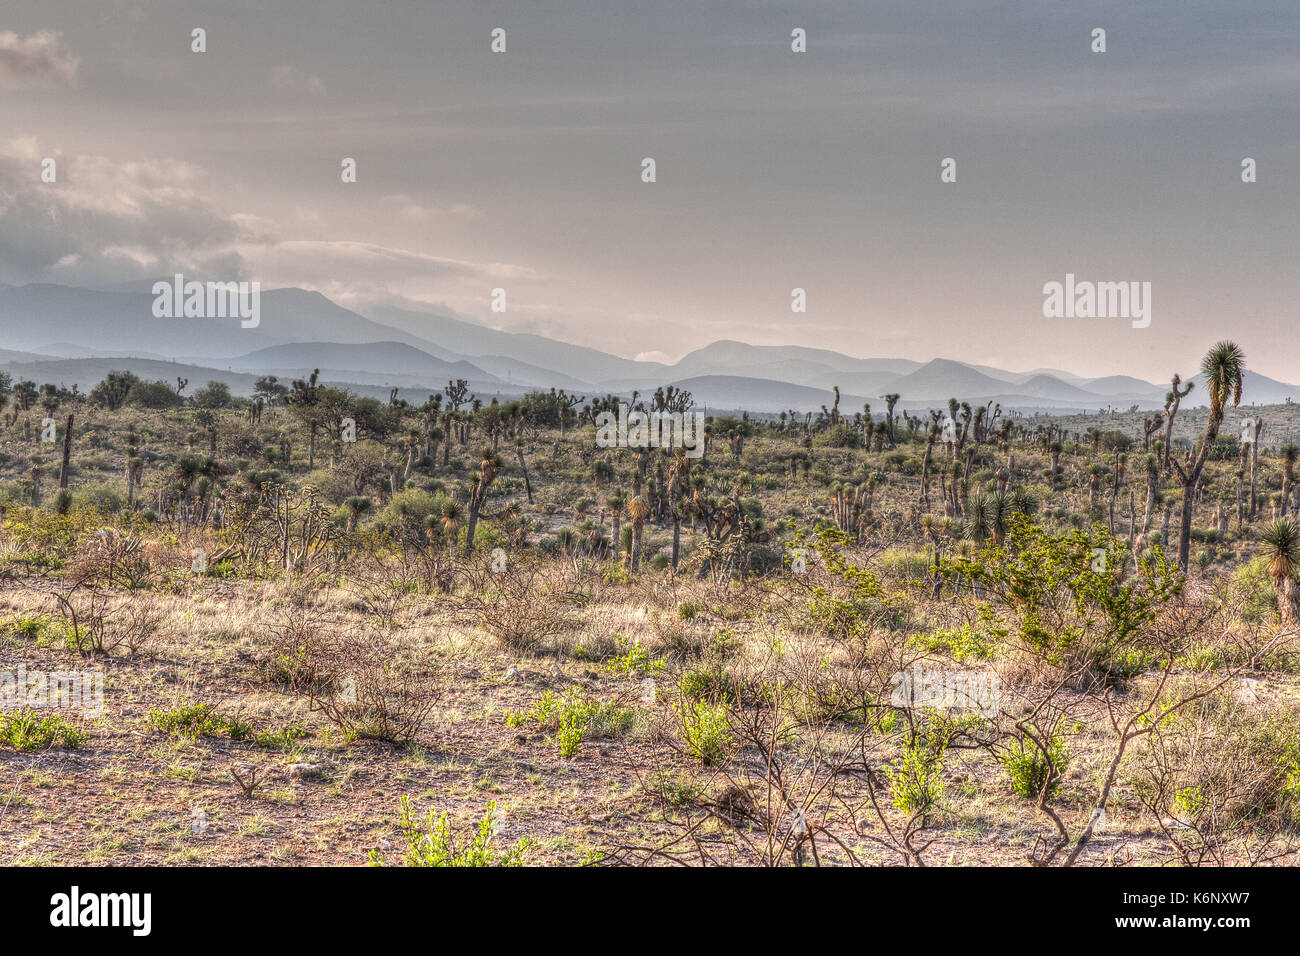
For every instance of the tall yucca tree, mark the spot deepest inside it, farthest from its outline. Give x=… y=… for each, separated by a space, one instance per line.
x=1224 y=368
x=1281 y=546
x=638 y=509
x=1290 y=455
x=489 y=466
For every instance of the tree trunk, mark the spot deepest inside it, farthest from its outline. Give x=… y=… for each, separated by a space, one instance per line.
x=67 y=453
x=1185 y=524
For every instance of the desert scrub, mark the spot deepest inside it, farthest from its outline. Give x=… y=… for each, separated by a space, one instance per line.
x=916 y=778
x=190 y=720
x=961 y=643
x=635 y=659
x=1037 y=766
x=25 y=731
x=437 y=846
x=705 y=730
x=34 y=627
x=574 y=717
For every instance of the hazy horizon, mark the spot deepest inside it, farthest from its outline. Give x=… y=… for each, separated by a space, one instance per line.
x=775 y=170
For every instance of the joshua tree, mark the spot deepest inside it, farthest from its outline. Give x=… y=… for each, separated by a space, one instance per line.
x=489 y=467
x=449 y=520
x=1174 y=398
x=433 y=437
x=1281 y=545
x=357 y=506
x=1254 y=462
x=523 y=466
x=678 y=475
x=134 y=469
x=638 y=509
x=890 y=401
x=1151 y=464
x=1095 y=474
x=930 y=439
x=1290 y=454
x=615 y=501
x=412 y=448
x=1224 y=367
x=67 y=454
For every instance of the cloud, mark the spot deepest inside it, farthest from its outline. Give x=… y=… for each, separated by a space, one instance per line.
x=38 y=60
x=654 y=356
x=410 y=210
x=288 y=79
x=103 y=220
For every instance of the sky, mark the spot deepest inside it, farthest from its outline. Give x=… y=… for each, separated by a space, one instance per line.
x=775 y=170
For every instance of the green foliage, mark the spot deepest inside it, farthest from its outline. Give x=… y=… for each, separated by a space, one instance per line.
x=963 y=643
x=705 y=729
x=1069 y=598
x=1037 y=766
x=437 y=846
x=573 y=717
x=916 y=778
x=189 y=720
x=859 y=603
x=26 y=731
x=635 y=659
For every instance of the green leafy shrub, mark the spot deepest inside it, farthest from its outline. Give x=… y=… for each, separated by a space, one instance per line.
x=705 y=729
x=1030 y=769
x=26 y=731
x=437 y=846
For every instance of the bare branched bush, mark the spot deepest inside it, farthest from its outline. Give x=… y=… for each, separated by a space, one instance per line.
x=523 y=606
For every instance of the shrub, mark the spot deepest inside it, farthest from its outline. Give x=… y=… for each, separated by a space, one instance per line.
x=706 y=730
x=1031 y=770
x=189 y=720
x=916 y=781
x=438 y=847
x=573 y=717
x=25 y=731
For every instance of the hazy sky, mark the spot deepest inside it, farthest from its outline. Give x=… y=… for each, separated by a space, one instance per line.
x=775 y=170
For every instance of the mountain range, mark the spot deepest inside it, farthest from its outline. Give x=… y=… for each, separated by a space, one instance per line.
x=67 y=335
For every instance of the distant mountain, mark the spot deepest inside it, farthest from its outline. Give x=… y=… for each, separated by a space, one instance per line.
x=31 y=316
x=65 y=335
x=396 y=358
x=467 y=340
x=1017 y=378
x=1124 y=387
x=724 y=393
x=1053 y=389
x=940 y=379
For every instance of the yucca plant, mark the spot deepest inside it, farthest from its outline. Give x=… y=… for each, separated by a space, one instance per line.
x=1281 y=544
